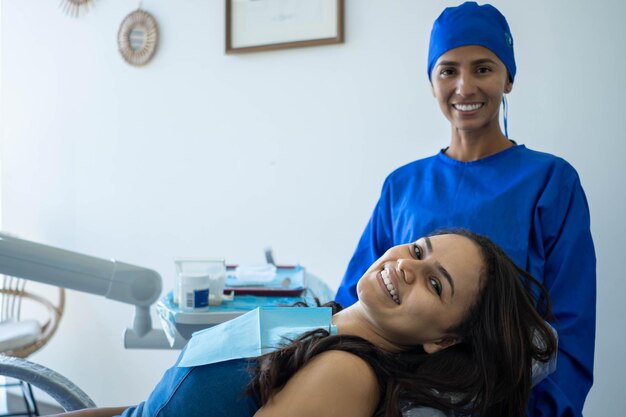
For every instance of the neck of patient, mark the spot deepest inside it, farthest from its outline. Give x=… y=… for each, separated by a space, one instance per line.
x=354 y=321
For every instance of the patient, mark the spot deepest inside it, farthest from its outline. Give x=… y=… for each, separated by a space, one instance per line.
x=447 y=322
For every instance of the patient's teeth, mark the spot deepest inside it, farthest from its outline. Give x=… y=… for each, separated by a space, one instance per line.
x=392 y=291
x=385 y=276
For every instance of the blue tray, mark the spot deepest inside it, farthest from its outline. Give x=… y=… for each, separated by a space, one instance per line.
x=188 y=322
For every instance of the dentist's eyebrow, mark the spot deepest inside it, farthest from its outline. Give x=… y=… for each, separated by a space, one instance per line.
x=447 y=64
x=444 y=271
x=483 y=61
x=456 y=64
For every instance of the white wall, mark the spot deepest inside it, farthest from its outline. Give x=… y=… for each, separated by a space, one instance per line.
x=200 y=153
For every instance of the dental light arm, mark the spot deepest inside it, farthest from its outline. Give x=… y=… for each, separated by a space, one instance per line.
x=114 y=280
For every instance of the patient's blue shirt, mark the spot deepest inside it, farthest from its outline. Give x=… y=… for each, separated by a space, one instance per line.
x=215 y=390
x=213 y=371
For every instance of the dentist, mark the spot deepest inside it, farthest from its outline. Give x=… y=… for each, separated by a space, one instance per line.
x=530 y=203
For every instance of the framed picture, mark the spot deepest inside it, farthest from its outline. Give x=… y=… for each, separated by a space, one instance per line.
x=262 y=25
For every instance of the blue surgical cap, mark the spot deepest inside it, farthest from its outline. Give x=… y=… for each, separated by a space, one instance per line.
x=471 y=24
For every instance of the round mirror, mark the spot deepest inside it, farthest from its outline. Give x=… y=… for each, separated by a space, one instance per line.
x=138 y=37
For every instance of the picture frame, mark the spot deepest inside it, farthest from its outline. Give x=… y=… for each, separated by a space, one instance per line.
x=263 y=25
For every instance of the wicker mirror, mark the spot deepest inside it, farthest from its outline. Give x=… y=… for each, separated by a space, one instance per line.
x=138 y=37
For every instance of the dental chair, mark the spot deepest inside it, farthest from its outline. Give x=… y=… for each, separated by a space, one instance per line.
x=68 y=395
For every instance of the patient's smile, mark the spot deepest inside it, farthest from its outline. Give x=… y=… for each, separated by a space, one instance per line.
x=390 y=288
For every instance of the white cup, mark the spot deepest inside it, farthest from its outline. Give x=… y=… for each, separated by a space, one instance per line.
x=200 y=282
x=193 y=292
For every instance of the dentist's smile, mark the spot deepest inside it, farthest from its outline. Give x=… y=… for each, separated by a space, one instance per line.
x=468 y=107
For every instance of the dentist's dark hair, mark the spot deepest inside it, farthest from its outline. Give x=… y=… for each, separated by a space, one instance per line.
x=488 y=373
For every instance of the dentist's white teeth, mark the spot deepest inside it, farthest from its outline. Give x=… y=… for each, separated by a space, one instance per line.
x=468 y=107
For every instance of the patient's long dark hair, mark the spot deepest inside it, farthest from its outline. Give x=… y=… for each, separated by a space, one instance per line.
x=488 y=373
